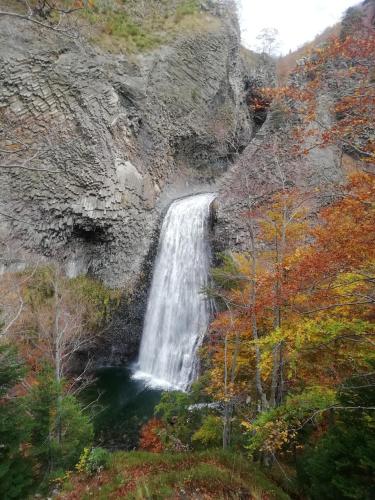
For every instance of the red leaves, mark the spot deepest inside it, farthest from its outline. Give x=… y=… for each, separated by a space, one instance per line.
x=345 y=65
x=150 y=436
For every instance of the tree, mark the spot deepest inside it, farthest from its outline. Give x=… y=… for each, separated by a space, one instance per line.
x=343 y=69
x=60 y=428
x=342 y=465
x=250 y=286
x=16 y=473
x=268 y=41
x=300 y=297
x=55 y=320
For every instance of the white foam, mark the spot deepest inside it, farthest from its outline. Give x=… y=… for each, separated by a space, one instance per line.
x=154 y=382
x=177 y=313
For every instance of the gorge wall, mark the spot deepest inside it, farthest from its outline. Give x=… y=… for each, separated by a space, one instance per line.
x=95 y=146
x=106 y=141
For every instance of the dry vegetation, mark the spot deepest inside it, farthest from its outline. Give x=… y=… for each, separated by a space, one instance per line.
x=286 y=64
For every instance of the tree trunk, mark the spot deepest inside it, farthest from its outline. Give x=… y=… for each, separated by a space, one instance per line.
x=254 y=327
x=228 y=412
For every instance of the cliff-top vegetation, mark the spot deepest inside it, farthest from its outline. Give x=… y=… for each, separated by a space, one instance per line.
x=129 y=26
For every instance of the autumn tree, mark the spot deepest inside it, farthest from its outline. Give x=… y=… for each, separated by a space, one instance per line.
x=341 y=68
x=55 y=320
x=250 y=286
x=301 y=296
x=328 y=295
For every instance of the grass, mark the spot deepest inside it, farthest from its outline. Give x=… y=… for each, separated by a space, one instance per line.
x=140 y=475
x=130 y=26
x=119 y=26
x=116 y=31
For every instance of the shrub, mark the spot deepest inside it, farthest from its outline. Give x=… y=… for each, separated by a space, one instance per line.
x=98 y=460
x=150 y=439
x=211 y=431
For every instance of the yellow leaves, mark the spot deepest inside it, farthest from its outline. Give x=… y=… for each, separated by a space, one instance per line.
x=324 y=340
x=82 y=463
x=243 y=263
x=276 y=436
x=247 y=425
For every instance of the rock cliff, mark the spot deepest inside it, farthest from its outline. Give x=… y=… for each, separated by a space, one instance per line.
x=101 y=142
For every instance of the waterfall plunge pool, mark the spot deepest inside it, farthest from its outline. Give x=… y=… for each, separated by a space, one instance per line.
x=176 y=320
x=125 y=404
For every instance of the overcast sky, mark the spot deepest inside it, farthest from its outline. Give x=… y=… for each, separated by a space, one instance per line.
x=298 y=21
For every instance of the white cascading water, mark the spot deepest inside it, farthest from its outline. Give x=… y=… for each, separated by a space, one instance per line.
x=177 y=313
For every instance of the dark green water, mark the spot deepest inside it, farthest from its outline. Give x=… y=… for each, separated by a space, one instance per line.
x=123 y=407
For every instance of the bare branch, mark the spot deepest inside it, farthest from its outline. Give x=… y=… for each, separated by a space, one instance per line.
x=52 y=27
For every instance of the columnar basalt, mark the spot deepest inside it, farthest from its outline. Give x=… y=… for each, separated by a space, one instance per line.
x=108 y=135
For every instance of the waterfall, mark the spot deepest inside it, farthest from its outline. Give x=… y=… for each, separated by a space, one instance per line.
x=177 y=313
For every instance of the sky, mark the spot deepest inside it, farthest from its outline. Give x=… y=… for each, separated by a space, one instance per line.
x=298 y=21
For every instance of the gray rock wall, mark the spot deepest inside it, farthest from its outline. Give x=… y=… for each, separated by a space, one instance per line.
x=106 y=141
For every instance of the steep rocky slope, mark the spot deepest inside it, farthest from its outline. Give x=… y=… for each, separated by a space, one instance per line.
x=293 y=149
x=106 y=141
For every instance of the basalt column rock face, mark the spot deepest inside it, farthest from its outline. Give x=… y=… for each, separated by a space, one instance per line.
x=102 y=139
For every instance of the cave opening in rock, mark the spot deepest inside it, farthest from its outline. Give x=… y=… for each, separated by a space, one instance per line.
x=90 y=234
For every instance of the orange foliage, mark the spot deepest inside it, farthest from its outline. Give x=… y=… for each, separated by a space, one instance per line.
x=345 y=64
x=150 y=436
x=306 y=275
x=344 y=242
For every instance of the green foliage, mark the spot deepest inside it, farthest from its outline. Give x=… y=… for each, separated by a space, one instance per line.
x=60 y=431
x=99 y=300
x=227 y=276
x=120 y=26
x=40 y=287
x=181 y=423
x=94 y=460
x=342 y=465
x=11 y=368
x=173 y=404
x=280 y=427
x=98 y=459
x=210 y=433
x=16 y=476
x=173 y=411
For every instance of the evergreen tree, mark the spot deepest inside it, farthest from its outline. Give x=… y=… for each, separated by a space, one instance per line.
x=342 y=465
x=16 y=476
x=61 y=431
